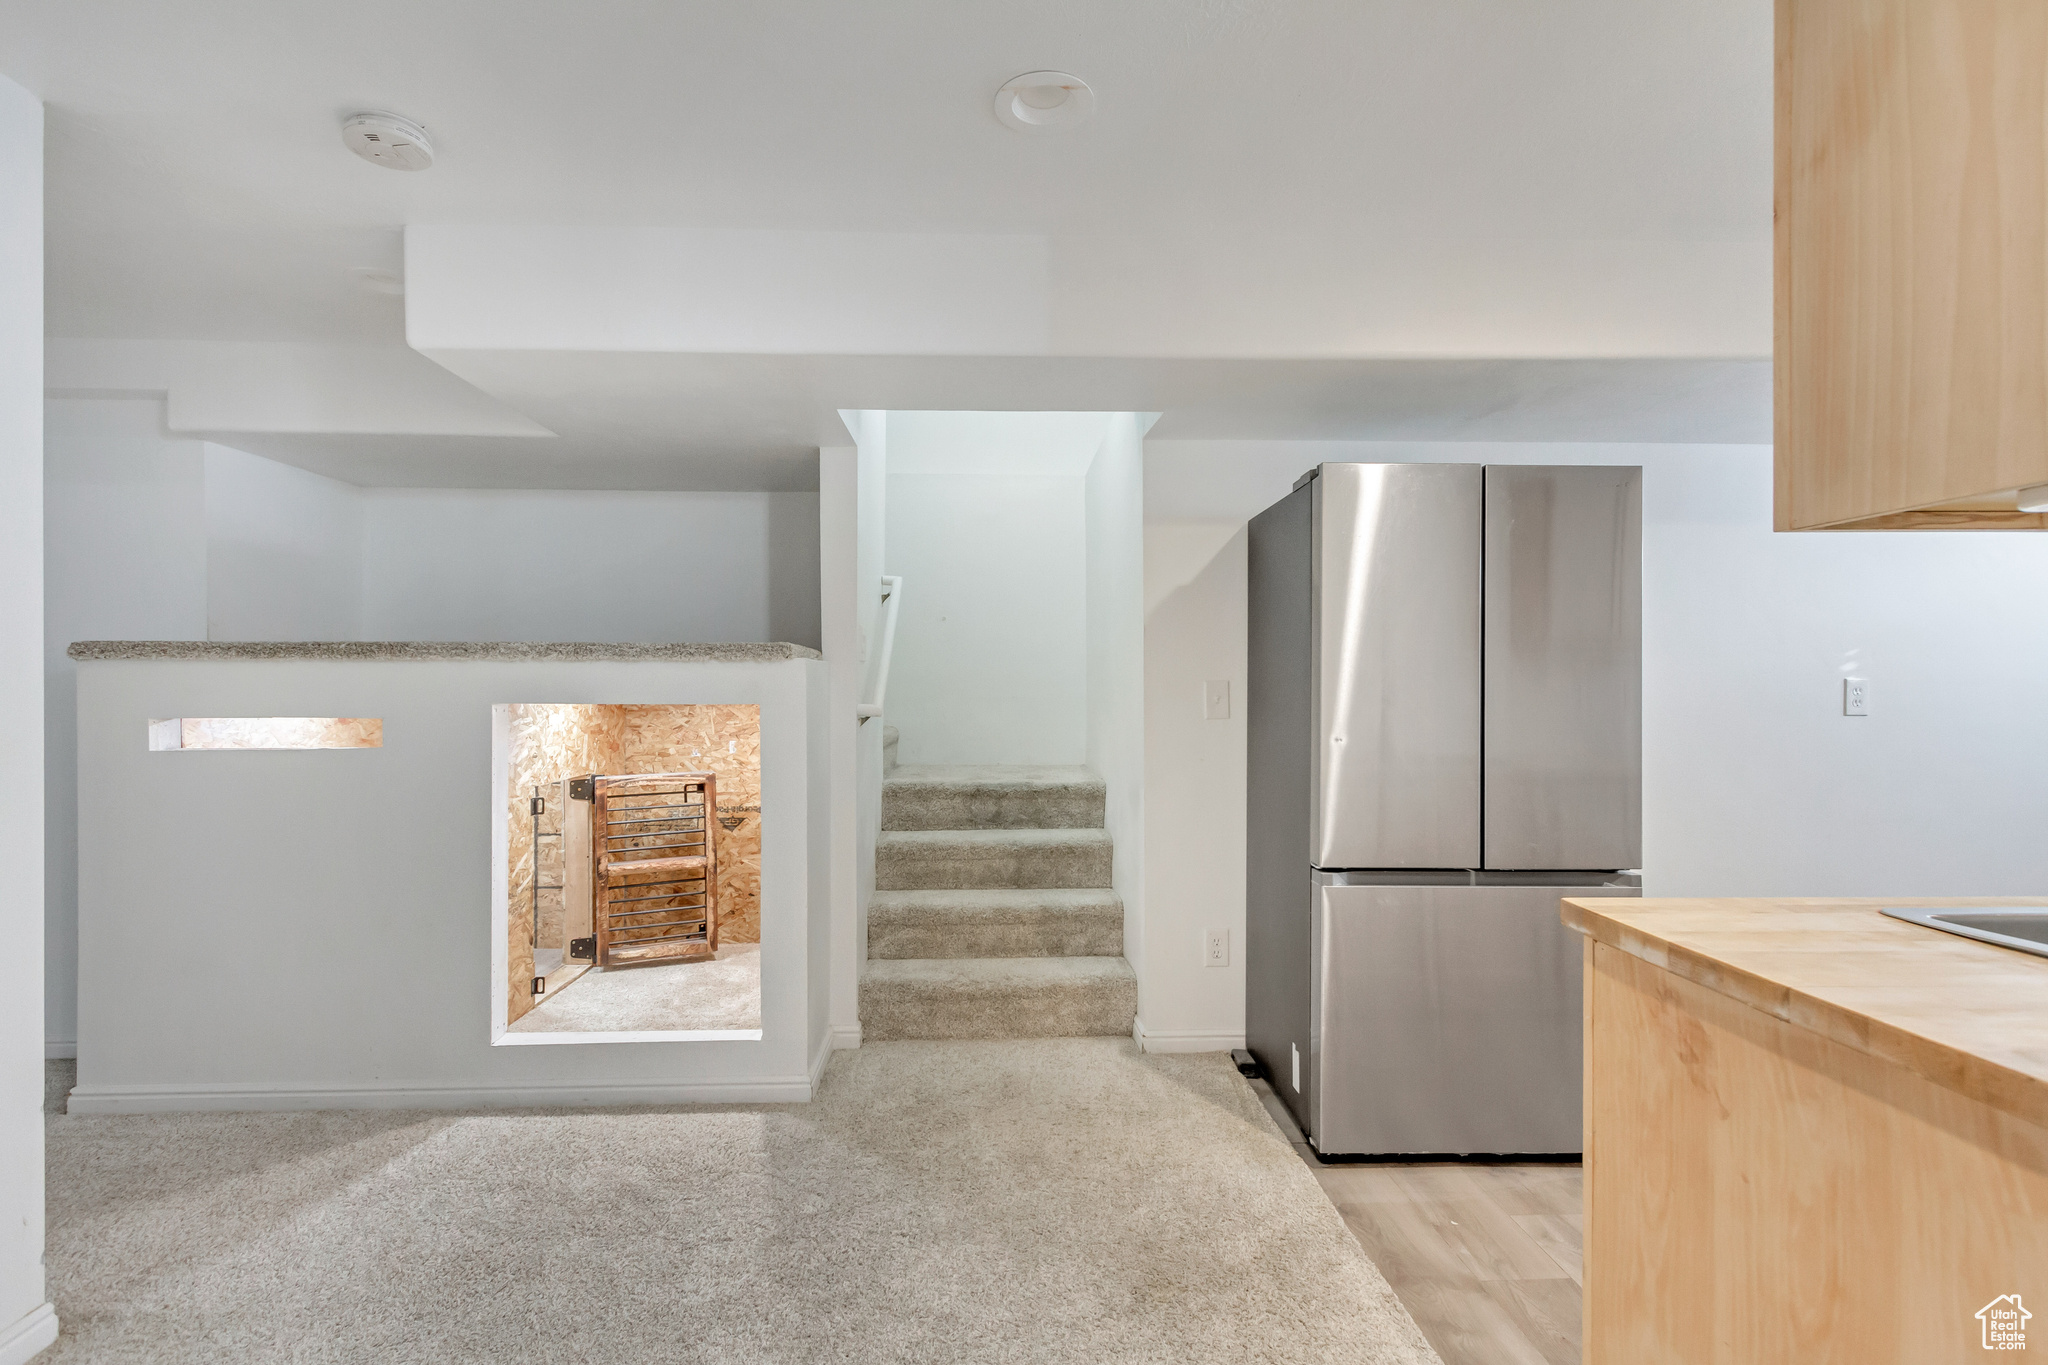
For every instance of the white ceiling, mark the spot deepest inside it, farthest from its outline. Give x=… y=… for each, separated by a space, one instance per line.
x=198 y=187
x=1243 y=155
x=756 y=419
x=773 y=413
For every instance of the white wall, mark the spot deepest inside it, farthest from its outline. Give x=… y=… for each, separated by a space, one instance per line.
x=124 y=531
x=1753 y=783
x=508 y=564
x=284 y=551
x=27 y=1321
x=871 y=492
x=1116 y=663
x=290 y=555
x=987 y=526
x=1194 y=632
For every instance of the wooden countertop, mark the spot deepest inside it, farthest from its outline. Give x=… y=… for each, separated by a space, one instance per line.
x=1969 y=1016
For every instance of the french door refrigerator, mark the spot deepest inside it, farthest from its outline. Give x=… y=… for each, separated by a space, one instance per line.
x=1444 y=714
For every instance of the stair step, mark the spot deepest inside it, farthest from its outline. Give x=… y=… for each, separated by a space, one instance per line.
x=991 y=796
x=992 y=859
x=1003 y=997
x=1049 y=922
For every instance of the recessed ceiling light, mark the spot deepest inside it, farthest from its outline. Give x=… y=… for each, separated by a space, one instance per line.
x=389 y=140
x=1041 y=101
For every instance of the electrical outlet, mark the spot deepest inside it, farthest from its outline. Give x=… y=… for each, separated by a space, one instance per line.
x=1294 y=1058
x=1855 y=696
x=1216 y=948
x=1216 y=699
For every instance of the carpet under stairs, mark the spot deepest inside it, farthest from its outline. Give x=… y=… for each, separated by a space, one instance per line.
x=993 y=915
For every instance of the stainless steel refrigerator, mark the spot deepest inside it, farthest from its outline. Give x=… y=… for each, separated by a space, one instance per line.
x=1444 y=707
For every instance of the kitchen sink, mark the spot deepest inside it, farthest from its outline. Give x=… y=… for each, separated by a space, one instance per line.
x=2024 y=927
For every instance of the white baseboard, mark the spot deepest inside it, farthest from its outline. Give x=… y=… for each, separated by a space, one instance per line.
x=155 y=1099
x=58 y=1049
x=29 y=1335
x=845 y=1036
x=1185 y=1042
x=818 y=1060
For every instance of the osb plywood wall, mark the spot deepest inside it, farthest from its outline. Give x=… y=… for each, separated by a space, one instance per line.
x=549 y=743
x=726 y=742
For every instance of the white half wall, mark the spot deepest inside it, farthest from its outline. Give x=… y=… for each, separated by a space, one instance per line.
x=27 y=1321
x=338 y=904
x=1754 y=783
x=840 y=589
x=824 y=961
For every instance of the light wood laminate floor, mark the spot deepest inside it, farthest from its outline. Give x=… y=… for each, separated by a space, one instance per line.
x=1484 y=1257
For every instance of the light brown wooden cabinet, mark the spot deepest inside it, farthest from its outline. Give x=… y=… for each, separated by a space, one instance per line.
x=1912 y=263
x=1813 y=1133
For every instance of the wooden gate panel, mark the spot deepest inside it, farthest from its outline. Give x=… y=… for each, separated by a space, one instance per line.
x=655 y=868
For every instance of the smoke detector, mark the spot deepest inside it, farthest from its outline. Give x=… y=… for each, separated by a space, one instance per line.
x=1041 y=101
x=388 y=140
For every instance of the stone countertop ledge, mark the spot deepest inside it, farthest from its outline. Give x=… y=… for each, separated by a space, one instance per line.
x=434 y=650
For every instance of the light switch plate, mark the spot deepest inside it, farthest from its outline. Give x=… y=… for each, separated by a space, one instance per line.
x=1216 y=699
x=1855 y=696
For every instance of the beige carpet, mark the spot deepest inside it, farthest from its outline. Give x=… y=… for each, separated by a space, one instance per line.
x=724 y=993
x=1055 y=1200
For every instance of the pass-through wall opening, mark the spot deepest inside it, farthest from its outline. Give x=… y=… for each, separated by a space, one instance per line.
x=633 y=888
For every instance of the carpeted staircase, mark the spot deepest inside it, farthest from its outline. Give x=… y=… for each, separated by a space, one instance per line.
x=992 y=915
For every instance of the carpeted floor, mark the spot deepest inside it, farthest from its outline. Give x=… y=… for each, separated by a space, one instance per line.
x=724 y=993
x=1056 y=1200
